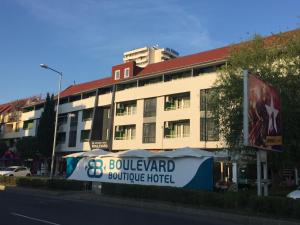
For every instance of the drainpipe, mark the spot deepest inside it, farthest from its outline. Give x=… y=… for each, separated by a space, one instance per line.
x=111 y=121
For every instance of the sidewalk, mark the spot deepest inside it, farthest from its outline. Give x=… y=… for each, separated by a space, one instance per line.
x=151 y=205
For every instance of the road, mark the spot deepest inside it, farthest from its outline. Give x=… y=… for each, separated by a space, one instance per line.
x=26 y=209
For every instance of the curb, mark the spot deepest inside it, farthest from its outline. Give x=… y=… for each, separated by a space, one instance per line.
x=152 y=205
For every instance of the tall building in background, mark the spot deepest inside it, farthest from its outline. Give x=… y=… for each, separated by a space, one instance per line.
x=148 y=55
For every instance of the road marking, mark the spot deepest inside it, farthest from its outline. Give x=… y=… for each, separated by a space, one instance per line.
x=32 y=218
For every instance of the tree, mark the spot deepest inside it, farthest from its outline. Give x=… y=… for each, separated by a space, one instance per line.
x=27 y=147
x=275 y=60
x=45 y=132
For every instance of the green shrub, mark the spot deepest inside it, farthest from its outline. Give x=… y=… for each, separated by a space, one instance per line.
x=7 y=180
x=45 y=183
x=237 y=201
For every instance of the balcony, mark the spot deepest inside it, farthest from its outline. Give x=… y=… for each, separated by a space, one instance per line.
x=177 y=129
x=178 y=101
x=125 y=132
x=126 y=108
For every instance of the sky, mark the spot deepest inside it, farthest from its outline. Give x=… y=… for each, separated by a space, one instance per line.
x=84 y=38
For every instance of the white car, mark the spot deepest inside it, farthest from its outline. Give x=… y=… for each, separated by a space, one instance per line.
x=18 y=171
x=294 y=194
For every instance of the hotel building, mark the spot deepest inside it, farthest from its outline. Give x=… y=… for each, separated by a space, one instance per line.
x=160 y=106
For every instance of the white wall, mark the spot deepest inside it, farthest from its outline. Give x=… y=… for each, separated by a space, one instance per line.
x=159 y=90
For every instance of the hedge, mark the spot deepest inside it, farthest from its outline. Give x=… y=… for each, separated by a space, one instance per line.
x=242 y=202
x=45 y=183
x=7 y=180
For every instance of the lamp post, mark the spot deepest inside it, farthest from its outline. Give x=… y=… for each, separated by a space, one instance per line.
x=56 y=115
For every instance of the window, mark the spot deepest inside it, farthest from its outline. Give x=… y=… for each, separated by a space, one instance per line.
x=87 y=114
x=121 y=87
x=28 y=125
x=177 y=101
x=61 y=137
x=208 y=130
x=73 y=129
x=208 y=126
x=149 y=131
x=62 y=119
x=74 y=120
x=126 y=72
x=117 y=75
x=150 y=107
x=72 y=138
x=179 y=75
x=144 y=82
x=205 y=99
x=85 y=134
x=126 y=108
x=63 y=101
x=106 y=90
x=177 y=129
x=210 y=69
x=125 y=132
x=75 y=98
x=88 y=94
x=28 y=109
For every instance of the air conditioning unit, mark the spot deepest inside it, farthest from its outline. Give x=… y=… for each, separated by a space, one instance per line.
x=117 y=128
x=167 y=98
x=166 y=124
x=120 y=106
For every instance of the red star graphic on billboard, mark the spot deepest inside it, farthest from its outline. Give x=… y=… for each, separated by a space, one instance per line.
x=264 y=118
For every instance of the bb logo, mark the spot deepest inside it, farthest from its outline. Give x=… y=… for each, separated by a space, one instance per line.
x=94 y=169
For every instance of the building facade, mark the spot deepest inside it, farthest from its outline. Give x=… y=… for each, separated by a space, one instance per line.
x=14 y=122
x=142 y=105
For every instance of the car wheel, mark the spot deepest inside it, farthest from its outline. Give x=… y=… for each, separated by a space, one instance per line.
x=11 y=175
x=28 y=175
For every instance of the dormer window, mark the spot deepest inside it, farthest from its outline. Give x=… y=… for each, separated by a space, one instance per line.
x=126 y=73
x=117 y=75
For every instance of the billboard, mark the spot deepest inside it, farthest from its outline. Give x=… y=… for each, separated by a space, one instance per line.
x=263 y=116
x=188 y=172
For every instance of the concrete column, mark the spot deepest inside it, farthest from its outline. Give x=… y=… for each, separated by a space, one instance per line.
x=234 y=172
x=296 y=176
x=265 y=171
x=228 y=174
x=222 y=171
x=258 y=173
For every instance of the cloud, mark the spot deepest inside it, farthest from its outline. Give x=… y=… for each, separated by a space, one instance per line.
x=111 y=27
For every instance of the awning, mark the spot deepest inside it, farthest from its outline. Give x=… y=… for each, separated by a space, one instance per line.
x=141 y=153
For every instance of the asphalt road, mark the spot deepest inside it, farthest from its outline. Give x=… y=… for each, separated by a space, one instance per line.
x=26 y=209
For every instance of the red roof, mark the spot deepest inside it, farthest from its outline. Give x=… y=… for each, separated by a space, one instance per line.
x=208 y=56
x=17 y=104
x=91 y=85
x=185 y=61
x=173 y=64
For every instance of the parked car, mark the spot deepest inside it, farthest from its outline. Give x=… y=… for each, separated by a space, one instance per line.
x=18 y=171
x=294 y=194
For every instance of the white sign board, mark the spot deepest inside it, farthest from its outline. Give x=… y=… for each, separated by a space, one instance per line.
x=191 y=172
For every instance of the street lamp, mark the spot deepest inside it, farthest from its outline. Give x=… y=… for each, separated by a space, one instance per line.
x=56 y=115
